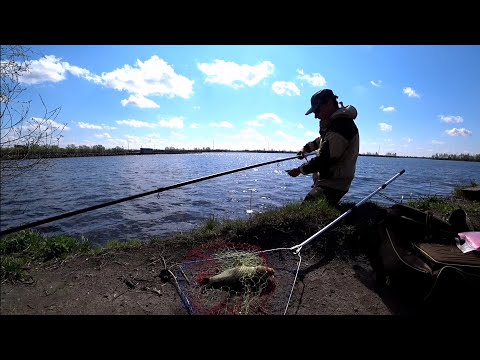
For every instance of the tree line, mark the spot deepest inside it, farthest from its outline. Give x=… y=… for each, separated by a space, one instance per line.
x=445 y=156
x=36 y=151
x=52 y=151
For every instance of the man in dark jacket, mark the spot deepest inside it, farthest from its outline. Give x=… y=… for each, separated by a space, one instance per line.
x=337 y=148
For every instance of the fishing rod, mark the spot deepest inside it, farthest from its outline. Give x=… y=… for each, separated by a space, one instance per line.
x=296 y=249
x=159 y=190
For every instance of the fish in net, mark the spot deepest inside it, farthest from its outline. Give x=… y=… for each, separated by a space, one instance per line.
x=225 y=278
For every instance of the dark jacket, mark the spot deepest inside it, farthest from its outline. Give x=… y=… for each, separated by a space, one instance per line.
x=338 y=146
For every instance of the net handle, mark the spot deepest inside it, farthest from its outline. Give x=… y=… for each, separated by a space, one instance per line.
x=296 y=249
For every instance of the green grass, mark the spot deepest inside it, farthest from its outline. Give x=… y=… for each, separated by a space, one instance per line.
x=19 y=249
x=445 y=205
x=37 y=247
x=436 y=204
x=121 y=245
x=295 y=221
x=13 y=268
x=458 y=189
x=285 y=226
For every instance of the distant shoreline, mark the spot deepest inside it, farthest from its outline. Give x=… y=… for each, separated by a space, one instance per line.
x=115 y=152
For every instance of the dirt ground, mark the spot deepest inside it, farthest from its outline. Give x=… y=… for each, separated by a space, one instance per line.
x=130 y=283
x=149 y=281
x=133 y=283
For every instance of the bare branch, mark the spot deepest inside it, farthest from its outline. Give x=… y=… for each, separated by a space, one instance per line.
x=25 y=142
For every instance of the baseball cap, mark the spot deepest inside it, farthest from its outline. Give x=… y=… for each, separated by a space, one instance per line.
x=320 y=98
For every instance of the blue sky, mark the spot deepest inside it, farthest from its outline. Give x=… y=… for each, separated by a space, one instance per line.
x=413 y=100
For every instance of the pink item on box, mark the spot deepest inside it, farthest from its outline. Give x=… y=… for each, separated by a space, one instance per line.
x=472 y=237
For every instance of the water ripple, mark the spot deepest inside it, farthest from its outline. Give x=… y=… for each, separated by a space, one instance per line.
x=76 y=183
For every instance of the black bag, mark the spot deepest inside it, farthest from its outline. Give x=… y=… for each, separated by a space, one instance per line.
x=414 y=244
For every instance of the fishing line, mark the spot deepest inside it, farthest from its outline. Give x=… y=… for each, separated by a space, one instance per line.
x=390 y=199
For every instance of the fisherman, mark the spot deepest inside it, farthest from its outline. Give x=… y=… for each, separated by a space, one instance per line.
x=337 y=148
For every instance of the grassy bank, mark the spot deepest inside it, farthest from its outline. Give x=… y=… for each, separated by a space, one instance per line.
x=286 y=226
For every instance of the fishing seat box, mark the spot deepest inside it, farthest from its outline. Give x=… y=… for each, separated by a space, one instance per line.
x=413 y=244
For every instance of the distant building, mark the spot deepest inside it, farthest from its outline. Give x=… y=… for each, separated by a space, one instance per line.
x=146 y=151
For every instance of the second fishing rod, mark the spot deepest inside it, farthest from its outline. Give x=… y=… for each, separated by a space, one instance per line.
x=132 y=197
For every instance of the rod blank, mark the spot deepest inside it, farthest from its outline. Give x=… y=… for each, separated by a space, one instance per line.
x=298 y=247
x=159 y=190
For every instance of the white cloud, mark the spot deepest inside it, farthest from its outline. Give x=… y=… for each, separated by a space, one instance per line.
x=407 y=140
x=270 y=116
x=314 y=79
x=83 y=73
x=103 y=136
x=385 y=127
x=285 y=88
x=194 y=126
x=458 y=132
x=254 y=123
x=174 y=123
x=235 y=75
x=377 y=83
x=300 y=126
x=140 y=102
x=436 y=142
x=46 y=69
x=251 y=138
x=136 y=123
x=387 y=108
x=43 y=125
x=410 y=92
x=35 y=125
x=153 y=137
x=222 y=124
x=450 y=119
x=77 y=71
x=83 y=125
x=51 y=69
x=154 y=77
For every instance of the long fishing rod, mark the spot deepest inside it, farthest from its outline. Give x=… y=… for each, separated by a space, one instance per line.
x=296 y=249
x=159 y=190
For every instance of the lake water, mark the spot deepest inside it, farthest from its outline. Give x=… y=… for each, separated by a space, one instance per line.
x=75 y=183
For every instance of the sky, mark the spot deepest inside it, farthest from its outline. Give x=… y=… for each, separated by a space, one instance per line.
x=412 y=100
